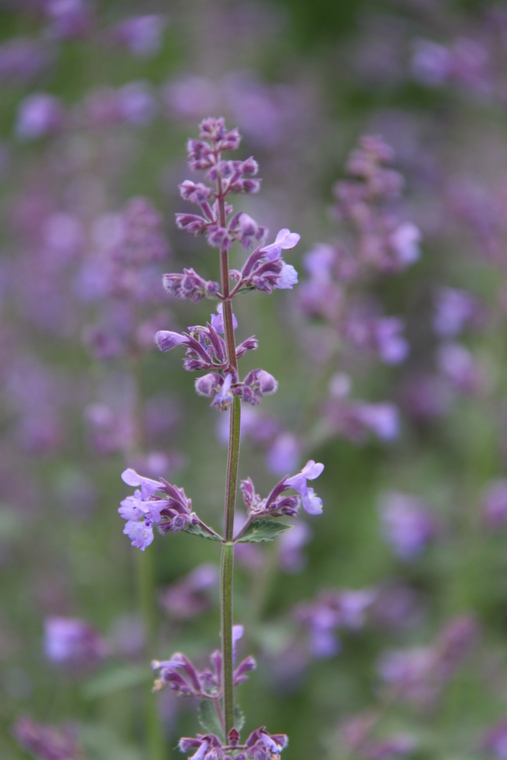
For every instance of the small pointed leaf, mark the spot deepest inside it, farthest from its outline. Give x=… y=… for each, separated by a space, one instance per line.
x=196 y=530
x=208 y=718
x=263 y=530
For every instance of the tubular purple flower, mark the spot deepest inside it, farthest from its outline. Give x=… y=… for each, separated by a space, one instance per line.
x=132 y=478
x=287 y=278
x=217 y=320
x=311 y=502
x=140 y=533
x=283 y=241
x=167 y=340
x=261 y=382
x=223 y=399
x=208 y=385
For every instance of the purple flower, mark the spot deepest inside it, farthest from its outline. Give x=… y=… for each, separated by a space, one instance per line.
x=284 y=454
x=72 y=643
x=495 y=740
x=287 y=278
x=69 y=18
x=311 y=502
x=46 y=742
x=217 y=320
x=283 y=241
x=22 y=59
x=455 y=309
x=191 y=595
x=404 y=243
x=167 y=340
x=141 y=35
x=494 y=501
x=407 y=524
x=460 y=368
x=290 y=544
x=39 y=114
x=171 y=512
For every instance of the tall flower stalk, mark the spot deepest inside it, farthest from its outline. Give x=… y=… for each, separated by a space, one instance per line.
x=213 y=348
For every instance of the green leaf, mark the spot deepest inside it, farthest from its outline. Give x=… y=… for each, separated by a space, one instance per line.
x=239 y=717
x=115 y=679
x=263 y=530
x=208 y=718
x=196 y=530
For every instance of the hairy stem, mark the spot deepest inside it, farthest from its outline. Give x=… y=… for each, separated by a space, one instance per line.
x=227 y=560
x=227 y=569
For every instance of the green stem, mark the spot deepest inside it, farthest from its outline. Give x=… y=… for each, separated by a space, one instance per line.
x=227 y=569
x=231 y=483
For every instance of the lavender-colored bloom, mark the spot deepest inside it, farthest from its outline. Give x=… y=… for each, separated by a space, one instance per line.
x=404 y=243
x=190 y=286
x=181 y=675
x=170 y=512
x=290 y=544
x=420 y=673
x=431 y=62
x=224 y=397
x=69 y=18
x=382 y=419
x=494 y=502
x=458 y=366
x=284 y=240
x=72 y=643
x=217 y=320
x=331 y=611
x=288 y=278
x=311 y=502
x=22 y=59
x=495 y=740
x=191 y=595
x=356 y=733
x=167 y=340
x=191 y=97
x=409 y=671
x=46 y=742
x=455 y=309
x=407 y=525
x=39 y=114
x=140 y=236
x=284 y=454
x=136 y=103
x=141 y=35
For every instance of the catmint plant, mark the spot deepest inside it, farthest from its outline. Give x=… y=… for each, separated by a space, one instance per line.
x=212 y=350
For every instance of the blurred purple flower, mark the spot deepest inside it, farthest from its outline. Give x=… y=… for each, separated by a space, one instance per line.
x=407 y=524
x=141 y=35
x=46 y=742
x=73 y=643
x=192 y=595
x=494 y=503
x=39 y=115
x=455 y=310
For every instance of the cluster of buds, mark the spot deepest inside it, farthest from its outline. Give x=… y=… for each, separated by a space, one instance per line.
x=182 y=677
x=275 y=504
x=47 y=742
x=419 y=675
x=206 y=349
x=384 y=242
x=260 y=745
